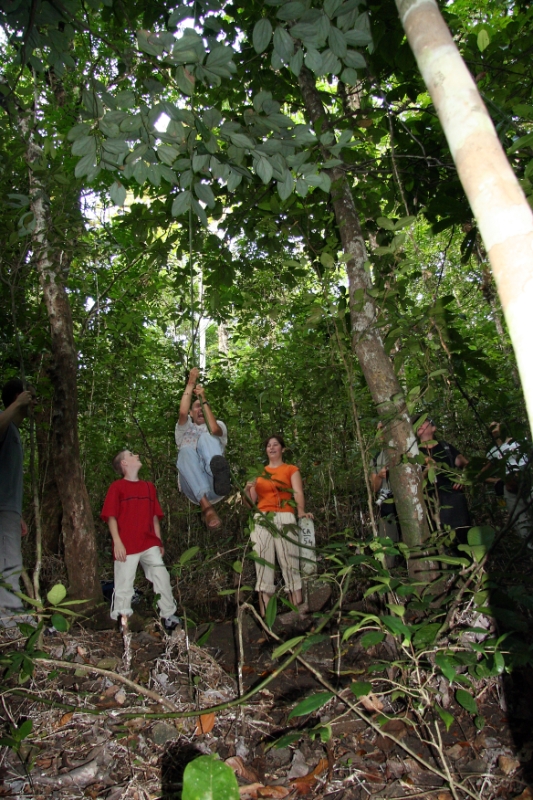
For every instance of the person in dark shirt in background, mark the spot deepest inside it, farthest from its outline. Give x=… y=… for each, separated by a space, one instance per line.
x=447 y=490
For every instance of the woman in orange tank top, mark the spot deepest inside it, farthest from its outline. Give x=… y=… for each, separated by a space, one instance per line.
x=279 y=490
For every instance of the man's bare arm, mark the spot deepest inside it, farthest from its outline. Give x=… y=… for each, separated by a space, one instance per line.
x=214 y=427
x=12 y=412
x=185 y=402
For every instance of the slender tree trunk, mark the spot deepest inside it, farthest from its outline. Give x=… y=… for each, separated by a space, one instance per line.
x=502 y=212
x=367 y=343
x=52 y=263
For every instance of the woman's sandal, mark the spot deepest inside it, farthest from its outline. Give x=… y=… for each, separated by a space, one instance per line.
x=211 y=518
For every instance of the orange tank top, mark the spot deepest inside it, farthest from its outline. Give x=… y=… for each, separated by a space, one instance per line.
x=275 y=491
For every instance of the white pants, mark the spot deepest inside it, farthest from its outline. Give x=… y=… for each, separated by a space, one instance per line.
x=152 y=563
x=268 y=547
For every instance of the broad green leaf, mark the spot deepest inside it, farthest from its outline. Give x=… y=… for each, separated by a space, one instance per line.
x=337 y=43
x=181 y=204
x=117 y=193
x=313 y=60
x=85 y=145
x=262 y=35
x=190 y=553
x=354 y=60
x=386 y=223
x=311 y=704
x=283 y=44
x=483 y=39
x=445 y=716
x=426 y=635
x=289 y=645
x=479 y=722
x=237 y=566
x=271 y=611
x=361 y=688
x=286 y=186
x=78 y=131
x=56 y=594
x=185 y=80
x=291 y=10
x=59 y=622
x=263 y=169
x=219 y=56
x=241 y=140
x=296 y=62
x=357 y=38
x=207 y=778
x=331 y=7
x=466 y=700
x=371 y=638
x=446 y=666
x=204 y=193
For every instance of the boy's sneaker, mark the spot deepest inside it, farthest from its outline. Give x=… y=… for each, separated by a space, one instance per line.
x=221 y=476
x=170 y=623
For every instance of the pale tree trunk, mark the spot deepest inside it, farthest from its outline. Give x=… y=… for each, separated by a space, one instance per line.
x=368 y=346
x=52 y=264
x=502 y=212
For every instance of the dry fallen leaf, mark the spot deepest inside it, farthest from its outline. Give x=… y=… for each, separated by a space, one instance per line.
x=205 y=724
x=304 y=786
x=64 y=720
x=273 y=791
x=250 y=792
x=239 y=768
x=371 y=702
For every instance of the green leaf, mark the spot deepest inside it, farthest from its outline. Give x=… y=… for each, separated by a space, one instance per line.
x=78 y=131
x=466 y=700
x=263 y=169
x=84 y=145
x=426 y=635
x=337 y=43
x=289 y=645
x=291 y=10
x=361 y=688
x=207 y=778
x=311 y=704
x=354 y=60
x=188 y=554
x=286 y=185
x=204 y=193
x=237 y=566
x=59 y=622
x=181 y=204
x=386 y=223
x=371 y=638
x=283 y=44
x=241 y=140
x=185 y=80
x=313 y=60
x=219 y=56
x=479 y=722
x=271 y=611
x=262 y=35
x=117 y=193
x=445 y=716
x=56 y=594
x=483 y=39
x=446 y=666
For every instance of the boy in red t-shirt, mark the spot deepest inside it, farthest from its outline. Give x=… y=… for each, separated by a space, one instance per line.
x=132 y=512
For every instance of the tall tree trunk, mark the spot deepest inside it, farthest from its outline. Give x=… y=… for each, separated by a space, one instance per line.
x=52 y=264
x=502 y=212
x=367 y=343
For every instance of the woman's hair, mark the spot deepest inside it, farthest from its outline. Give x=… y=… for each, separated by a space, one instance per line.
x=275 y=436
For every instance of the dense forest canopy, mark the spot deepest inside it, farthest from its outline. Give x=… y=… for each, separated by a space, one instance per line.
x=171 y=178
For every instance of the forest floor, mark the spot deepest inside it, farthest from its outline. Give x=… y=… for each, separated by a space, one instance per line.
x=92 y=736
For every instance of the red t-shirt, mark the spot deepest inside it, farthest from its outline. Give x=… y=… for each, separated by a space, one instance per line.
x=270 y=494
x=134 y=505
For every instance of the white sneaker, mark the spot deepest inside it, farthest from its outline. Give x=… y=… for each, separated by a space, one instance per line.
x=170 y=623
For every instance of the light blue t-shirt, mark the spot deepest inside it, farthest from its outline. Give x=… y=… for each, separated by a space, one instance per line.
x=11 y=457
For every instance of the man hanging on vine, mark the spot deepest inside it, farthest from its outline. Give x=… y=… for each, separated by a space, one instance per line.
x=204 y=473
